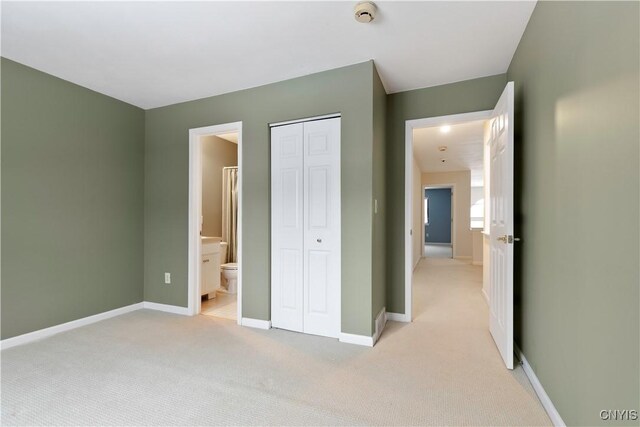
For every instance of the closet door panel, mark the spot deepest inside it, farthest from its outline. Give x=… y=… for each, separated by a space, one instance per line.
x=322 y=227
x=287 y=222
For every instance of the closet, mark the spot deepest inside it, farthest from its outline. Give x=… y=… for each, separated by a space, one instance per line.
x=305 y=227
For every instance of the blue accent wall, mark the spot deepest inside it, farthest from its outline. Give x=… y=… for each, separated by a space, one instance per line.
x=439 y=228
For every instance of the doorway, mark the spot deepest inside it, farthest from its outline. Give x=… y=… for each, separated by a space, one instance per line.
x=438 y=169
x=438 y=213
x=494 y=237
x=215 y=221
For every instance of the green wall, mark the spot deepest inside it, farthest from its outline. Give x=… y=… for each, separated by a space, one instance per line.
x=345 y=90
x=577 y=138
x=463 y=97
x=379 y=193
x=72 y=212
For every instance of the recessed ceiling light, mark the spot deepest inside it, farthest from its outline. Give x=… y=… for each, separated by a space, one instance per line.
x=445 y=129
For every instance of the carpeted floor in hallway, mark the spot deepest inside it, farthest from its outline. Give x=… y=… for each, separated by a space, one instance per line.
x=154 y=368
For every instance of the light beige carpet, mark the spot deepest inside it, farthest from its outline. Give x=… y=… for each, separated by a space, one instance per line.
x=438 y=251
x=153 y=368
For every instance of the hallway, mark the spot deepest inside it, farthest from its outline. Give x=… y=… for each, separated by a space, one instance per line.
x=448 y=292
x=458 y=360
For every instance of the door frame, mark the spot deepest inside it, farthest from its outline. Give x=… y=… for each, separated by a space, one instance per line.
x=195 y=213
x=410 y=125
x=453 y=215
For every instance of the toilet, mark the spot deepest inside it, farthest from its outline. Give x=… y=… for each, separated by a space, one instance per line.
x=228 y=271
x=230 y=274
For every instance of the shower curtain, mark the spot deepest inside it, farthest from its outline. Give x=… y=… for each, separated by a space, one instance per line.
x=230 y=212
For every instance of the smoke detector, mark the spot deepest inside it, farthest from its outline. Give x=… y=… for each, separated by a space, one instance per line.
x=365 y=12
x=442 y=148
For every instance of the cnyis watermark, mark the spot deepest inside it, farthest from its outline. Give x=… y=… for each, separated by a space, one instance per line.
x=619 y=415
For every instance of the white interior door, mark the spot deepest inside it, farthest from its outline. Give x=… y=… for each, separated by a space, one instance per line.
x=305 y=227
x=287 y=227
x=501 y=225
x=322 y=227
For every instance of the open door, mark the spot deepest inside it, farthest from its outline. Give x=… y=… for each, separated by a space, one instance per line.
x=501 y=225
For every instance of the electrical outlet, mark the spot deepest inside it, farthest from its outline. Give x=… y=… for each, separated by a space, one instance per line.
x=167 y=278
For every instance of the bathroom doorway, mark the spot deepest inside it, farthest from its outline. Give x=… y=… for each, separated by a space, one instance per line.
x=215 y=221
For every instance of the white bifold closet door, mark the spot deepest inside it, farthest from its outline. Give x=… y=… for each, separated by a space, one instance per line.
x=305 y=227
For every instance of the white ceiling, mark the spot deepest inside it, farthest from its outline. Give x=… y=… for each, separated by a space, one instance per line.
x=152 y=54
x=464 y=149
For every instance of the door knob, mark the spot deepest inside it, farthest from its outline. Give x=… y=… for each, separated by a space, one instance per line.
x=507 y=238
x=319 y=240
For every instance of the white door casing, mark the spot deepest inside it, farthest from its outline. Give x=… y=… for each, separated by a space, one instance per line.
x=287 y=227
x=305 y=227
x=501 y=225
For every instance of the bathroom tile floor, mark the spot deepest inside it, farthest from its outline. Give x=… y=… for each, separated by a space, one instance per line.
x=224 y=306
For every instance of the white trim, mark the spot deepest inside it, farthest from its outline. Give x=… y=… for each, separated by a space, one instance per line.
x=486 y=297
x=417 y=262
x=308 y=119
x=553 y=413
x=408 y=172
x=195 y=212
x=476 y=263
x=462 y=257
x=166 y=308
x=63 y=327
x=454 y=229
x=356 y=339
x=256 y=323
x=408 y=220
x=381 y=318
x=398 y=317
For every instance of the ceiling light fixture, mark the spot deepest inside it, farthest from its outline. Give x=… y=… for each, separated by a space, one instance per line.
x=365 y=11
x=445 y=129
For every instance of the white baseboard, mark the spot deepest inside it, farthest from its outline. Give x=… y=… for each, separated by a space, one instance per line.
x=256 y=323
x=47 y=332
x=356 y=339
x=380 y=323
x=460 y=257
x=397 y=317
x=486 y=297
x=416 y=263
x=477 y=263
x=553 y=413
x=166 y=308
